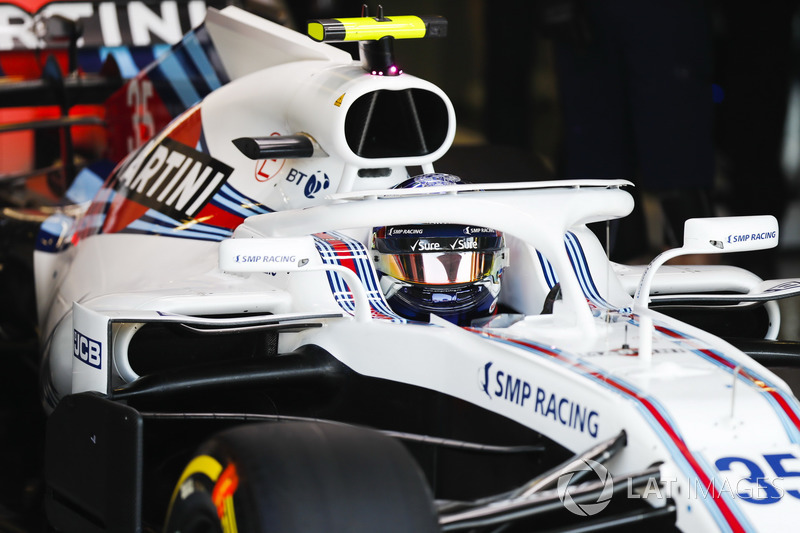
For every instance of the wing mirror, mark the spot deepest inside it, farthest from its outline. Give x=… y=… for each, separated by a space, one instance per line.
x=288 y=254
x=720 y=235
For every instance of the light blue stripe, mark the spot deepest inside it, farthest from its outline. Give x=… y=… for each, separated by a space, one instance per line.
x=792 y=431
x=160 y=49
x=122 y=55
x=140 y=225
x=328 y=255
x=232 y=206
x=196 y=52
x=229 y=192
x=85 y=186
x=174 y=73
x=712 y=473
x=595 y=375
x=171 y=222
x=366 y=274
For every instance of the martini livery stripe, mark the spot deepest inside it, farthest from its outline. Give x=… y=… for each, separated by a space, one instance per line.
x=336 y=248
x=785 y=406
x=231 y=200
x=719 y=504
x=577 y=258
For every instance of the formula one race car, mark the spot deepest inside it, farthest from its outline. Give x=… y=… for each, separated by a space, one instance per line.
x=257 y=318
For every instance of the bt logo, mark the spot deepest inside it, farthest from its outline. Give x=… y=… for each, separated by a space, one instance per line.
x=314 y=183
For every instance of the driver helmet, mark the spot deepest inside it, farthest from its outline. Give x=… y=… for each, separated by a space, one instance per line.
x=450 y=270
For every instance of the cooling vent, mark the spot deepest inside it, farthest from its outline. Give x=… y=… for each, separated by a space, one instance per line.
x=407 y=123
x=159 y=347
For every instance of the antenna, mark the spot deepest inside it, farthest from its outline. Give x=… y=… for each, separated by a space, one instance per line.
x=376 y=36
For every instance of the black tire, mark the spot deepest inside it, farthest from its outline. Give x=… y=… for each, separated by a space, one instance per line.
x=302 y=477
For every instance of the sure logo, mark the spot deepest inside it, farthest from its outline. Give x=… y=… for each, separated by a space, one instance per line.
x=86 y=349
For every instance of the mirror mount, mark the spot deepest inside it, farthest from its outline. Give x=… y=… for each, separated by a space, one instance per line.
x=703 y=236
x=720 y=235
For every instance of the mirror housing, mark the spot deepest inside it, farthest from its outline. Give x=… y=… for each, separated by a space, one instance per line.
x=718 y=235
x=289 y=254
x=729 y=234
x=268 y=254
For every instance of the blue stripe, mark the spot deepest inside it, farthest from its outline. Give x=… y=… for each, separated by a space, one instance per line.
x=236 y=208
x=201 y=62
x=124 y=59
x=599 y=376
x=175 y=74
x=236 y=196
x=161 y=219
x=159 y=50
x=87 y=183
x=581 y=267
x=792 y=431
x=366 y=274
x=205 y=42
x=193 y=74
x=163 y=87
x=90 y=59
x=578 y=260
x=364 y=271
x=142 y=227
x=338 y=286
x=547 y=269
x=719 y=485
x=231 y=200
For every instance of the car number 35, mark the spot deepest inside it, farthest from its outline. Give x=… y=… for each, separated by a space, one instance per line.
x=755 y=484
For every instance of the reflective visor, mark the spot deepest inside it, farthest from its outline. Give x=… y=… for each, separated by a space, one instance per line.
x=437 y=238
x=438 y=268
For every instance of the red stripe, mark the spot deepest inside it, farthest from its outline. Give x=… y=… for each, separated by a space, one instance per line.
x=340 y=246
x=219 y=217
x=727 y=513
x=787 y=409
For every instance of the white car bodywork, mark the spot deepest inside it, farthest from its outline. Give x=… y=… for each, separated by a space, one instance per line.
x=724 y=429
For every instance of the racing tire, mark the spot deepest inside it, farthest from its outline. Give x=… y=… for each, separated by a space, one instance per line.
x=301 y=477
